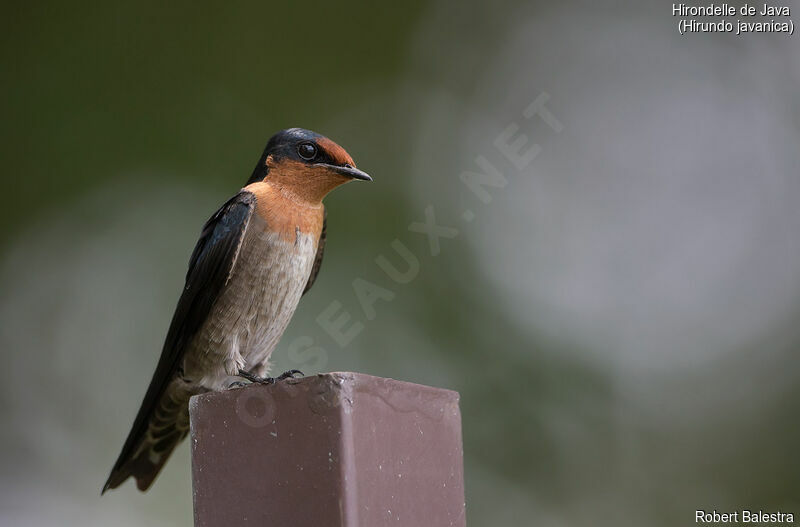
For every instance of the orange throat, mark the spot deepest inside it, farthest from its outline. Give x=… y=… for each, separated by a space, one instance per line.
x=285 y=212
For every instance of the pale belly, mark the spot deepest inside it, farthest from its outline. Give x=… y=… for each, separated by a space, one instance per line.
x=253 y=310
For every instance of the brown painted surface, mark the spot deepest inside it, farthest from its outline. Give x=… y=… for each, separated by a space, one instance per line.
x=339 y=449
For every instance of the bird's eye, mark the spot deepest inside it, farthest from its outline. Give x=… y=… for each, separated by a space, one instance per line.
x=307 y=151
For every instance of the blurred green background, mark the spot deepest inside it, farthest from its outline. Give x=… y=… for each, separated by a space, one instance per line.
x=620 y=319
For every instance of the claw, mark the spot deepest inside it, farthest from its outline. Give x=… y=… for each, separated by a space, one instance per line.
x=244 y=374
x=289 y=375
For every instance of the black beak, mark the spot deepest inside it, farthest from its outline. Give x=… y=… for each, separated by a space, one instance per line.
x=351 y=172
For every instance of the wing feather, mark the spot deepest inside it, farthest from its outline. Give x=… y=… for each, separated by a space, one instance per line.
x=320 y=252
x=210 y=267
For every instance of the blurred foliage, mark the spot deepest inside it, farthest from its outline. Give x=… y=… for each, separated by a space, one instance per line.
x=188 y=88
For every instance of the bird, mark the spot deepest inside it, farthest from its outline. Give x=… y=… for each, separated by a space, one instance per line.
x=256 y=256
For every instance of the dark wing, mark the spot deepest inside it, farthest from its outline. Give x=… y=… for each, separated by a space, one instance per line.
x=320 y=251
x=210 y=267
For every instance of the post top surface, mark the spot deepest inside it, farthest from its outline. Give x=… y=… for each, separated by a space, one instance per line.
x=347 y=383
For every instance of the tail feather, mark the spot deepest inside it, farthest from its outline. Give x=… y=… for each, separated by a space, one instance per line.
x=155 y=434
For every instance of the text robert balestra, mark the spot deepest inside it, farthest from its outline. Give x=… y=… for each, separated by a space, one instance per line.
x=743 y=516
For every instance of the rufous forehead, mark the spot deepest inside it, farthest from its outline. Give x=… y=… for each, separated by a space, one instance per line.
x=336 y=152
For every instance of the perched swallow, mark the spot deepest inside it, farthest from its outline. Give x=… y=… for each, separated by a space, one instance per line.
x=257 y=255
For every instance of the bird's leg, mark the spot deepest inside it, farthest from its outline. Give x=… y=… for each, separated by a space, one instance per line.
x=250 y=376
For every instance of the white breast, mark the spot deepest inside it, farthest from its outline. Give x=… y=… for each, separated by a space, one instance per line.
x=254 y=308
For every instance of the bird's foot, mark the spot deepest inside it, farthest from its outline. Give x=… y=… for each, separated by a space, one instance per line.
x=236 y=384
x=252 y=377
x=268 y=380
x=289 y=375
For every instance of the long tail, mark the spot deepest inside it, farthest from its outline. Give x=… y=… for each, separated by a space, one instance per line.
x=157 y=430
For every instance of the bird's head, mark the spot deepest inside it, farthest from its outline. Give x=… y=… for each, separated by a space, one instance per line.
x=306 y=164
